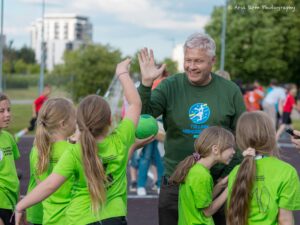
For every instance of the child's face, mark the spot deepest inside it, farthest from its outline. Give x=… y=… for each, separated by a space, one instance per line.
x=227 y=155
x=4 y=113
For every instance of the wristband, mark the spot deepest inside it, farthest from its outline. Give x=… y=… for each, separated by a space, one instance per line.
x=118 y=75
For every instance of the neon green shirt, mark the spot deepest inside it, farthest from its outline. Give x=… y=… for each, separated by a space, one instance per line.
x=34 y=214
x=54 y=207
x=195 y=194
x=277 y=186
x=9 y=182
x=113 y=151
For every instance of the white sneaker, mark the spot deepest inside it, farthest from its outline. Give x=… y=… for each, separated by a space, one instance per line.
x=141 y=191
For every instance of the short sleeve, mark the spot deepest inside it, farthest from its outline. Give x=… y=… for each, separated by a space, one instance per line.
x=126 y=132
x=289 y=192
x=66 y=165
x=202 y=191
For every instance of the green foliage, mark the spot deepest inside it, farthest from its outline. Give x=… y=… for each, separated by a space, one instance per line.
x=88 y=69
x=260 y=44
x=19 y=60
x=171 y=66
x=20 y=81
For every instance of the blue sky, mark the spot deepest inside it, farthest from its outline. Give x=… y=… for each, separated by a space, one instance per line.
x=125 y=24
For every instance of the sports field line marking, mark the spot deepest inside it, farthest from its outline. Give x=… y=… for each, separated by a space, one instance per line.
x=142 y=197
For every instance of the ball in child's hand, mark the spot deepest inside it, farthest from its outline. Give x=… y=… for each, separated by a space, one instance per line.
x=147 y=126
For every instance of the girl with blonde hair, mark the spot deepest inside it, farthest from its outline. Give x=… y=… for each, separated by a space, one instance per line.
x=55 y=123
x=263 y=189
x=9 y=152
x=98 y=162
x=196 y=191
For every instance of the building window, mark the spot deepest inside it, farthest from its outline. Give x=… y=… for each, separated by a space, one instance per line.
x=66 y=31
x=56 y=30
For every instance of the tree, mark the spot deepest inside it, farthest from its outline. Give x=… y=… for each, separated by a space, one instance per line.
x=26 y=54
x=88 y=69
x=261 y=43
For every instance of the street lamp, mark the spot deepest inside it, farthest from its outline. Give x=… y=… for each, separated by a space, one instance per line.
x=42 y=66
x=223 y=37
x=1 y=46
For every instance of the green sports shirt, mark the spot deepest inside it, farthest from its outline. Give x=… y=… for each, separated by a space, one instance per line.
x=113 y=152
x=9 y=182
x=187 y=110
x=195 y=194
x=277 y=186
x=54 y=207
x=34 y=214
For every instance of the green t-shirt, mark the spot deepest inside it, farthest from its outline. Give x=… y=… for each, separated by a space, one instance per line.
x=54 y=207
x=113 y=151
x=277 y=186
x=9 y=182
x=195 y=194
x=188 y=109
x=34 y=214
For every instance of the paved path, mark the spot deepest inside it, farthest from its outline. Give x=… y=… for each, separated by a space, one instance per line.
x=143 y=211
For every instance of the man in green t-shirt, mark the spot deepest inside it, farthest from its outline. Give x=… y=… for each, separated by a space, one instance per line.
x=189 y=102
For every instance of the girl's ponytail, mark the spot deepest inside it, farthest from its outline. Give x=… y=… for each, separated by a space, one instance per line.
x=240 y=199
x=183 y=168
x=93 y=169
x=43 y=144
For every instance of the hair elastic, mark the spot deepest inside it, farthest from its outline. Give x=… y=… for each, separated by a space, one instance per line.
x=196 y=156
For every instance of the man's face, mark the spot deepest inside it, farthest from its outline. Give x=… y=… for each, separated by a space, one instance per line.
x=198 y=65
x=4 y=113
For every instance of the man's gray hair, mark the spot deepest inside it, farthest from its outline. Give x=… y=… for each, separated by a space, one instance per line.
x=201 y=41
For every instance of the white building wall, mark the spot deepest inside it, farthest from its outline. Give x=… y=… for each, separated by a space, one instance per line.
x=59 y=29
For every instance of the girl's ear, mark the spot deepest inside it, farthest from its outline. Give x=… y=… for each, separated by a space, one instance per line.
x=215 y=150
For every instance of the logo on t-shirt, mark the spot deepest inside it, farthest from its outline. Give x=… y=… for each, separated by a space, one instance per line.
x=1 y=154
x=199 y=113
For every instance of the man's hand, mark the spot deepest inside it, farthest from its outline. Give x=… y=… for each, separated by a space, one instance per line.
x=296 y=140
x=148 y=68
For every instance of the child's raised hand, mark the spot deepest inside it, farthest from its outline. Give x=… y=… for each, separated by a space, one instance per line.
x=123 y=67
x=249 y=152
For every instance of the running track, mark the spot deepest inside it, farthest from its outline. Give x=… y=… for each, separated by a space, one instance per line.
x=143 y=211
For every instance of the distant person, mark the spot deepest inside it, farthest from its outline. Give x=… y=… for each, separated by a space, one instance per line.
x=199 y=198
x=189 y=102
x=36 y=106
x=9 y=152
x=262 y=189
x=274 y=101
x=224 y=74
x=288 y=105
x=253 y=98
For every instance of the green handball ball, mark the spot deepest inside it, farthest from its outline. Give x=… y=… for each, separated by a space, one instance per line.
x=147 y=126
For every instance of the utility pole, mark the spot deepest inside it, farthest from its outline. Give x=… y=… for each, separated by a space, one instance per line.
x=1 y=47
x=42 y=66
x=223 y=37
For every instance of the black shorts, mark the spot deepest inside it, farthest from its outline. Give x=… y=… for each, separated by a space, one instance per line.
x=286 y=118
x=111 y=221
x=6 y=216
x=32 y=124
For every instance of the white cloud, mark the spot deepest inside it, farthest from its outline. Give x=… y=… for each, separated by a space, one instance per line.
x=40 y=1
x=144 y=13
